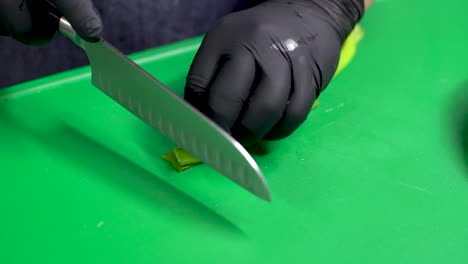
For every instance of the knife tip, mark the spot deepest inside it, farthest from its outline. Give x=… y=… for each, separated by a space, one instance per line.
x=265 y=195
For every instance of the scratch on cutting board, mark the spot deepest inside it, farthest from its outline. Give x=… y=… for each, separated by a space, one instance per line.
x=329 y=124
x=333 y=108
x=100 y=224
x=316 y=131
x=414 y=187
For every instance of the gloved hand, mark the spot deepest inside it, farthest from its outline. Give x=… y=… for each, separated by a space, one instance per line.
x=258 y=71
x=28 y=21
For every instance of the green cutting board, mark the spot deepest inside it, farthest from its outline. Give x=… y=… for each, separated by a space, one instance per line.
x=376 y=175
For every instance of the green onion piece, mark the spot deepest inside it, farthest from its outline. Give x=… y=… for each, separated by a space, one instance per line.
x=181 y=160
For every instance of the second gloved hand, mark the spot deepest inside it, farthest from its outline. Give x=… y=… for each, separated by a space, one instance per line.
x=258 y=71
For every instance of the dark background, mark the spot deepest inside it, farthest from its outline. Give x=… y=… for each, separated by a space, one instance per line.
x=129 y=25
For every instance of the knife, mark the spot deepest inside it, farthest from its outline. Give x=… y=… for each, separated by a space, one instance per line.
x=158 y=106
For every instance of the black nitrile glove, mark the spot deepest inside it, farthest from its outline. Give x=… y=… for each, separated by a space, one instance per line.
x=258 y=71
x=28 y=21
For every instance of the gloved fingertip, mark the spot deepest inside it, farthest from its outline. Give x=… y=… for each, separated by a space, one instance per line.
x=277 y=135
x=90 y=30
x=245 y=136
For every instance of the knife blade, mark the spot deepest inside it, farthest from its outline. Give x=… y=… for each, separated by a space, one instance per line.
x=158 y=106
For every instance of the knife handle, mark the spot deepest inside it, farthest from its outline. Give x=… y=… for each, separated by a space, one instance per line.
x=63 y=26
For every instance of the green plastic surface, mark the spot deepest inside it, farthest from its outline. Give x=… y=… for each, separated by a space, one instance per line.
x=376 y=175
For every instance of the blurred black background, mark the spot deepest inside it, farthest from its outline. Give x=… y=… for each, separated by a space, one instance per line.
x=129 y=25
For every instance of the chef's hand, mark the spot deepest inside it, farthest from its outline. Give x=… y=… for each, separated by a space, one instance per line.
x=28 y=21
x=258 y=71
